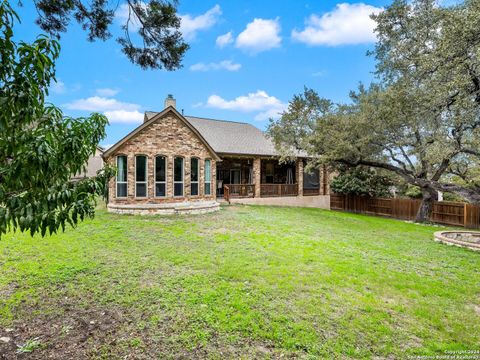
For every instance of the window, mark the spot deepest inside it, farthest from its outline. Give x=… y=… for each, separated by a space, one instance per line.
x=121 y=176
x=178 y=176
x=140 y=176
x=208 y=177
x=194 y=177
x=160 y=176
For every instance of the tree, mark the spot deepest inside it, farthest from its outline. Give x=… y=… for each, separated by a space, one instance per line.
x=160 y=43
x=430 y=55
x=40 y=149
x=422 y=122
x=362 y=182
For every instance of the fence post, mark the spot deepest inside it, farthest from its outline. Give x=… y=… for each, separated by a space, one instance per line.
x=465 y=213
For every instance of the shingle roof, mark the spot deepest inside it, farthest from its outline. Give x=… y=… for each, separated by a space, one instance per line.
x=230 y=137
x=233 y=137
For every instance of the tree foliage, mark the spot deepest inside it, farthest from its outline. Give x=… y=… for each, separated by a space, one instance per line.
x=40 y=149
x=151 y=39
x=421 y=121
x=362 y=182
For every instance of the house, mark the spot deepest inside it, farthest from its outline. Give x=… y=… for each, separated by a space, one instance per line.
x=95 y=163
x=174 y=163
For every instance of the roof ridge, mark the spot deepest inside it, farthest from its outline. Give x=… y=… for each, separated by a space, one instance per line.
x=228 y=121
x=207 y=118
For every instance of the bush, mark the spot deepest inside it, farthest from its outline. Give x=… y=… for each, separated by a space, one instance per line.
x=359 y=181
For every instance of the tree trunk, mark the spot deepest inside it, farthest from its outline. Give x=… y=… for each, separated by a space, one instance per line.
x=429 y=195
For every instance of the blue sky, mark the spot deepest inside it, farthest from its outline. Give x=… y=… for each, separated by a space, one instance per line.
x=247 y=59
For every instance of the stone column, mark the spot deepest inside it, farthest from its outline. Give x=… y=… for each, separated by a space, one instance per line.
x=187 y=191
x=299 y=166
x=151 y=177
x=257 y=178
x=201 y=178
x=131 y=176
x=170 y=176
x=325 y=181
x=214 y=180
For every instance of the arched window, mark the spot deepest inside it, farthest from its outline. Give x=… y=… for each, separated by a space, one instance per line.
x=208 y=177
x=140 y=176
x=194 y=170
x=121 y=176
x=160 y=176
x=178 y=177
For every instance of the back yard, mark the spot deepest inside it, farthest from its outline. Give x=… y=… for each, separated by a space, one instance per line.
x=246 y=282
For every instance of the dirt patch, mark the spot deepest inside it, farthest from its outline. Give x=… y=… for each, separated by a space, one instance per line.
x=8 y=290
x=71 y=336
x=112 y=333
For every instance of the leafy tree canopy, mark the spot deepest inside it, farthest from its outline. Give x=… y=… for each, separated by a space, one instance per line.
x=156 y=41
x=40 y=148
x=363 y=182
x=421 y=121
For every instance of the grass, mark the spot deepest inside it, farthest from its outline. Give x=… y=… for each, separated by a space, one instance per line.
x=246 y=282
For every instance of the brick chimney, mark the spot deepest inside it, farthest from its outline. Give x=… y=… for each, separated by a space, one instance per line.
x=170 y=101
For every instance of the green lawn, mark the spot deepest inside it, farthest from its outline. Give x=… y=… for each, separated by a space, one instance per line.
x=245 y=282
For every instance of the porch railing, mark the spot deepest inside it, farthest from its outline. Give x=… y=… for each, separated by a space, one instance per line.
x=272 y=190
x=239 y=190
x=311 y=192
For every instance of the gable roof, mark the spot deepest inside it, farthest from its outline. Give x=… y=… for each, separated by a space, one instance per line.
x=231 y=137
x=150 y=118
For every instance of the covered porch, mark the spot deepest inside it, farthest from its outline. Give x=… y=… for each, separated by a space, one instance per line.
x=255 y=177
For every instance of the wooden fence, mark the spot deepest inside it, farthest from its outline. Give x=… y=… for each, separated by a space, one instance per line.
x=444 y=212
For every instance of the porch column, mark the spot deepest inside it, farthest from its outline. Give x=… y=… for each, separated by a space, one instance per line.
x=257 y=178
x=299 y=166
x=323 y=181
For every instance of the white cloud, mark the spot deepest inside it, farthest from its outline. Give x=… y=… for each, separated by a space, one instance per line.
x=116 y=111
x=265 y=105
x=190 y=25
x=224 y=40
x=98 y=103
x=58 y=87
x=346 y=24
x=260 y=35
x=222 y=65
x=107 y=92
x=124 y=116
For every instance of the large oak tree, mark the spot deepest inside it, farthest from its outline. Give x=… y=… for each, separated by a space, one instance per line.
x=421 y=121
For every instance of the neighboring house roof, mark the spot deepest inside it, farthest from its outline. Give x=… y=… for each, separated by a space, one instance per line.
x=150 y=118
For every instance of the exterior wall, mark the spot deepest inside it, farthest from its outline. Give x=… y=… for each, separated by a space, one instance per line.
x=319 y=201
x=170 y=137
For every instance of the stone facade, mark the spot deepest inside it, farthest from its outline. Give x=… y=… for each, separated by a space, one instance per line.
x=299 y=177
x=171 y=137
x=257 y=175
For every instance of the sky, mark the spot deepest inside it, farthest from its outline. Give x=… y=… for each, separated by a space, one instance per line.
x=246 y=61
